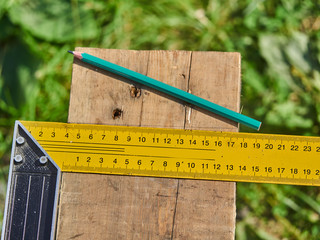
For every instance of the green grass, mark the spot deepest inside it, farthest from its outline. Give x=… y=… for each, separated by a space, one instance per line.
x=279 y=42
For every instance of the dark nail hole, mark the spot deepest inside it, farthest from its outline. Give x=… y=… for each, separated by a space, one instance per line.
x=116 y=113
x=135 y=92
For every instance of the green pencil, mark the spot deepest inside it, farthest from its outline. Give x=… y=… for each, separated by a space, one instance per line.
x=165 y=88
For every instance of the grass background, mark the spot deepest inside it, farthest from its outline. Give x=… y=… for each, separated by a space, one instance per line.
x=280 y=46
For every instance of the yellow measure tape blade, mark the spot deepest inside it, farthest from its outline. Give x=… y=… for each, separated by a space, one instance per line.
x=180 y=153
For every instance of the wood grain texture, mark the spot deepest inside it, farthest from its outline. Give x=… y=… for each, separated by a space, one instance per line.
x=120 y=207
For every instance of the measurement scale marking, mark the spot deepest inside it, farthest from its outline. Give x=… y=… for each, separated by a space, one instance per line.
x=112 y=154
x=195 y=175
x=182 y=153
x=129 y=155
x=127 y=145
x=250 y=138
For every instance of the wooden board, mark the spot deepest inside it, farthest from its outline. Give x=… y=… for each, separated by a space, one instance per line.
x=122 y=207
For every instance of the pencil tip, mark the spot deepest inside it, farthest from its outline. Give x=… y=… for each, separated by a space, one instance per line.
x=70 y=52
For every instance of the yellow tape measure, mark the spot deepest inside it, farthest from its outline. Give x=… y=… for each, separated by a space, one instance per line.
x=180 y=153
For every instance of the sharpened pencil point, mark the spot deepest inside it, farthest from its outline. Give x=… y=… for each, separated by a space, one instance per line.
x=76 y=54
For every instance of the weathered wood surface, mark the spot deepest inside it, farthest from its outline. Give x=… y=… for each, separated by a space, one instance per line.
x=120 y=207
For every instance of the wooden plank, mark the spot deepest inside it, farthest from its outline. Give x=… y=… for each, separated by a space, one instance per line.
x=120 y=207
x=218 y=80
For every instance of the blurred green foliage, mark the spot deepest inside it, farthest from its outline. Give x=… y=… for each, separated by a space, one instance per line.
x=279 y=41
